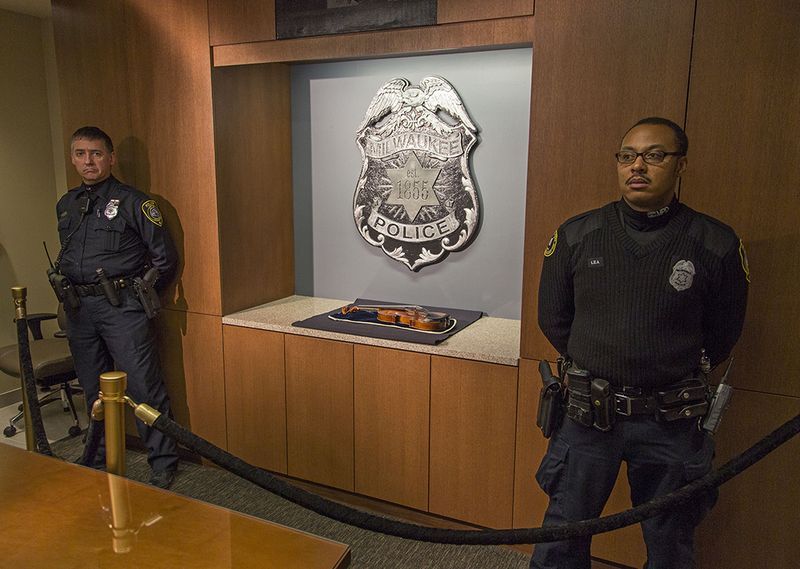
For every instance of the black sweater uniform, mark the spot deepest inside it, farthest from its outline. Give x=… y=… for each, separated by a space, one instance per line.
x=634 y=298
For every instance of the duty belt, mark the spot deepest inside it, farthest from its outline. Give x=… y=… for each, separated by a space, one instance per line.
x=593 y=402
x=94 y=289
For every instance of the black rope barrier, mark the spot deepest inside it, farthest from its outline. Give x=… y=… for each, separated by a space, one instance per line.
x=29 y=383
x=364 y=520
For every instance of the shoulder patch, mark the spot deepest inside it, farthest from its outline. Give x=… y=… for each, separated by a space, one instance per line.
x=743 y=258
x=151 y=212
x=551 y=245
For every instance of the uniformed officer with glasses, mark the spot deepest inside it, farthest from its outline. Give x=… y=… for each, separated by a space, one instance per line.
x=642 y=296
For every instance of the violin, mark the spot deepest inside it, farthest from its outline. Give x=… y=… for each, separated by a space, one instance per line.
x=414 y=317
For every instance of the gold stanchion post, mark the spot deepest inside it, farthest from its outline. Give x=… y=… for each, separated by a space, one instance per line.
x=112 y=393
x=121 y=519
x=20 y=294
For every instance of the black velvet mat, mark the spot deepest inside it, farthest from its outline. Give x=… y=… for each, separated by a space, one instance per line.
x=364 y=324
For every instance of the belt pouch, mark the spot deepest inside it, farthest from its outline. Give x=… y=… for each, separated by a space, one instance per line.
x=682 y=400
x=603 y=404
x=548 y=415
x=687 y=391
x=683 y=411
x=64 y=290
x=579 y=404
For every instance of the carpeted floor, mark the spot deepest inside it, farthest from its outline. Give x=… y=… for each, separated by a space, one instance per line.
x=369 y=550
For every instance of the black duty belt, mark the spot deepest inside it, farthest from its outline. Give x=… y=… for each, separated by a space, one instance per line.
x=631 y=401
x=95 y=289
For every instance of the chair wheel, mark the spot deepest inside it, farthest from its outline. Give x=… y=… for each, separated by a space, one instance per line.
x=74 y=431
x=10 y=431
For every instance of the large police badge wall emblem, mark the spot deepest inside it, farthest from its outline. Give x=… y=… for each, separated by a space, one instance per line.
x=415 y=197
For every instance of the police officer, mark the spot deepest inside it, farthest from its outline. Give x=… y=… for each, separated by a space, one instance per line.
x=111 y=233
x=637 y=293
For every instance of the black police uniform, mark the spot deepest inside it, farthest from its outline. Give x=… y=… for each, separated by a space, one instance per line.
x=634 y=298
x=117 y=228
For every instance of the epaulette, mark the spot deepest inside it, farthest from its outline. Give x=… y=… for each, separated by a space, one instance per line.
x=577 y=227
x=715 y=236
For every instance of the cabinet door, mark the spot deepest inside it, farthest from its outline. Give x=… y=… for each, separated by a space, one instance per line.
x=473 y=416
x=255 y=396
x=392 y=415
x=464 y=10
x=239 y=21
x=319 y=410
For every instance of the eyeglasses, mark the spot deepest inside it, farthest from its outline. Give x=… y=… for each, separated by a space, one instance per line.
x=651 y=156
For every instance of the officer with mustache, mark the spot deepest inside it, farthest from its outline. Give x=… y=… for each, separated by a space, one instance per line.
x=642 y=297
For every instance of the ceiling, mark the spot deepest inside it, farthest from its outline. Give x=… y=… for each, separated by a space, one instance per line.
x=38 y=8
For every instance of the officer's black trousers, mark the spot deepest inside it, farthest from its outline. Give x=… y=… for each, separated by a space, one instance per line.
x=100 y=336
x=580 y=468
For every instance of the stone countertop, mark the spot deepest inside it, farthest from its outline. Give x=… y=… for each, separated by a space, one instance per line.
x=494 y=340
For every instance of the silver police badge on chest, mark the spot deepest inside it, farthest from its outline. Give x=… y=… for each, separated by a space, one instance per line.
x=112 y=208
x=415 y=197
x=682 y=275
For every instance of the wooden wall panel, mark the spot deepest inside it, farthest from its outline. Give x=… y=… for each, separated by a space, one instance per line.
x=191 y=355
x=319 y=409
x=170 y=84
x=743 y=124
x=530 y=502
x=407 y=41
x=755 y=521
x=463 y=10
x=238 y=21
x=98 y=60
x=598 y=67
x=473 y=418
x=392 y=425
x=253 y=133
x=255 y=396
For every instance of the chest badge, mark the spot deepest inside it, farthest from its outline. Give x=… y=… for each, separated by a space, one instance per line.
x=415 y=197
x=112 y=209
x=682 y=275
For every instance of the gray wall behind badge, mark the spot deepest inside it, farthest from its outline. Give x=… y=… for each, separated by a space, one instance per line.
x=332 y=260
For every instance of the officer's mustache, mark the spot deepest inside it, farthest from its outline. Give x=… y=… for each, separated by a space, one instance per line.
x=638 y=177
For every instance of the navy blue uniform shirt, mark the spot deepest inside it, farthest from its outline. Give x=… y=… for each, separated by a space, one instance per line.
x=115 y=227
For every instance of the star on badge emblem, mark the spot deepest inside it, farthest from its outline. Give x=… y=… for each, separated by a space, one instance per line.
x=412 y=186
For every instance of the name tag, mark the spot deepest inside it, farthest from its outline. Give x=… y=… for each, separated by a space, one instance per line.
x=596 y=262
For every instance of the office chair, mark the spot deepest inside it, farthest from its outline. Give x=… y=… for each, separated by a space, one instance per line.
x=53 y=368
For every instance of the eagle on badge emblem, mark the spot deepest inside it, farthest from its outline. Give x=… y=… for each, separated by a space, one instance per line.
x=415 y=197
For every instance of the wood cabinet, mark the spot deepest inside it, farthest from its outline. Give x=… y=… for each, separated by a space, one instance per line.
x=238 y=21
x=392 y=415
x=427 y=432
x=319 y=410
x=473 y=419
x=463 y=10
x=255 y=396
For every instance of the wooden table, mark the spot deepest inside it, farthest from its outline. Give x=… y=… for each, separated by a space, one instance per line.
x=57 y=514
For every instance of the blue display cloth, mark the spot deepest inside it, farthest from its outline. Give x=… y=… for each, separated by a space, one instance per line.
x=365 y=323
